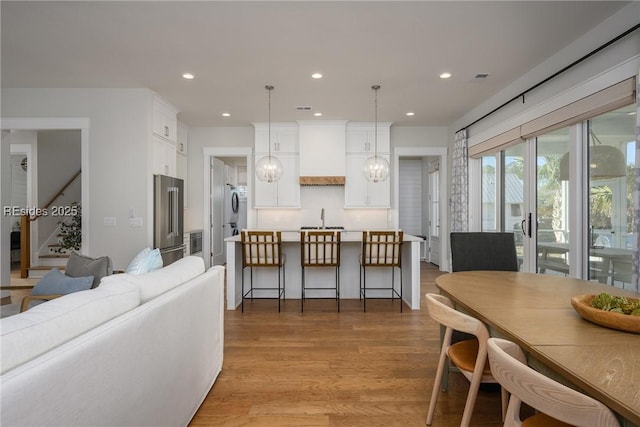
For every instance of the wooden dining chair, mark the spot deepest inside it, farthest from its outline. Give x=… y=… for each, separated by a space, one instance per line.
x=469 y=356
x=558 y=404
x=262 y=249
x=381 y=249
x=320 y=249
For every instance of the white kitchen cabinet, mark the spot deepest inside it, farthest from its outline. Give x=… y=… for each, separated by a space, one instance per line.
x=284 y=138
x=285 y=193
x=360 y=193
x=361 y=137
x=164 y=157
x=165 y=119
x=182 y=139
x=360 y=145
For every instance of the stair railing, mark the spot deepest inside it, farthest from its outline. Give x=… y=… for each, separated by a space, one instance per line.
x=25 y=228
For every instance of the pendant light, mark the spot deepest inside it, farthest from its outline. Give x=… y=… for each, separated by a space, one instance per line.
x=269 y=168
x=605 y=161
x=376 y=168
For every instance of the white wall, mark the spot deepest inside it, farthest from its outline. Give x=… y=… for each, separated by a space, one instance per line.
x=119 y=158
x=5 y=200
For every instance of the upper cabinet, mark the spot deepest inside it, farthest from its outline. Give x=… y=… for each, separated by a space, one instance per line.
x=165 y=119
x=182 y=138
x=361 y=137
x=285 y=193
x=284 y=138
x=164 y=157
x=360 y=145
x=165 y=138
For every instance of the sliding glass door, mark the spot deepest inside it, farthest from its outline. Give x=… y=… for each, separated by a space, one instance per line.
x=611 y=160
x=567 y=196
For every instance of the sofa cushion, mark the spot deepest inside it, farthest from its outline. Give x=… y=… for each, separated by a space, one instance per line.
x=46 y=326
x=57 y=283
x=160 y=281
x=82 y=266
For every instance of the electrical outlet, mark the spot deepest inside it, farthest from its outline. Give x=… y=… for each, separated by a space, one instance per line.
x=109 y=221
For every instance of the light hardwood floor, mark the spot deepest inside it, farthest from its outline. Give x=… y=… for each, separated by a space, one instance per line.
x=323 y=368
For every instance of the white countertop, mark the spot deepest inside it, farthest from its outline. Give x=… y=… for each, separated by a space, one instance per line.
x=347 y=236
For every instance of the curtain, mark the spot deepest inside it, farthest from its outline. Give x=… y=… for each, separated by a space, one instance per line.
x=460 y=183
x=636 y=200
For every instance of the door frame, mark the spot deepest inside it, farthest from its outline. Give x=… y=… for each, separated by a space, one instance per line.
x=440 y=152
x=209 y=152
x=45 y=123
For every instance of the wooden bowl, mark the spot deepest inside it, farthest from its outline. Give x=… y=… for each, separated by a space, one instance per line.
x=621 y=322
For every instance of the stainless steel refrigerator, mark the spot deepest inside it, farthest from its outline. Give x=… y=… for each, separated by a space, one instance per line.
x=168 y=217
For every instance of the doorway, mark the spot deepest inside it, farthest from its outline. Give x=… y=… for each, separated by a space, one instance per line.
x=10 y=125
x=225 y=168
x=418 y=210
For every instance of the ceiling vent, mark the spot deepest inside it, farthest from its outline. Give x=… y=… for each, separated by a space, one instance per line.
x=304 y=108
x=481 y=76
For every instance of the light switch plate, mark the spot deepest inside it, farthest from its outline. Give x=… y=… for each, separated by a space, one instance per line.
x=109 y=221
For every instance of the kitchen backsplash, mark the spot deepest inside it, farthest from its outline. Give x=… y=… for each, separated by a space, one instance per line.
x=313 y=200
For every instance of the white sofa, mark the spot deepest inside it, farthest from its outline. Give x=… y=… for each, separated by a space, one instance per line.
x=135 y=351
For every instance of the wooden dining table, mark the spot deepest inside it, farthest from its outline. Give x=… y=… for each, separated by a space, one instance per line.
x=535 y=311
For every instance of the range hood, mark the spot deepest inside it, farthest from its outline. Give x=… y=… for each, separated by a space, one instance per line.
x=322 y=152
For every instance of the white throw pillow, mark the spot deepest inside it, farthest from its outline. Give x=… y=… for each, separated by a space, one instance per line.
x=145 y=261
x=137 y=265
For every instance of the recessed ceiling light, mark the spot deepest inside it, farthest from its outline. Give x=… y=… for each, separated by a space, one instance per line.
x=188 y=76
x=317 y=114
x=632 y=113
x=445 y=75
x=316 y=76
x=411 y=113
x=226 y=114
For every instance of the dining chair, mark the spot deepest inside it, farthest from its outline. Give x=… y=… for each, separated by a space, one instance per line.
x=320 y=249
x=480 y=251
x=558 y=405
x=262 y=249
x=381 y=249
x=483 y=251
x=469 y=356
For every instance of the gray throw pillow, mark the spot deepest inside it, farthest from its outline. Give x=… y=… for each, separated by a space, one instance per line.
x=56 y=283
x=83 y=266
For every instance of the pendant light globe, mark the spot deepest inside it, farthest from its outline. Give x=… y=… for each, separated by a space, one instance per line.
x=376 y=169
x=269 y=168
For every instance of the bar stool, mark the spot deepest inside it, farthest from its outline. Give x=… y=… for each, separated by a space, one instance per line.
x=381 y=249
x=320 y=249
x=263 y=249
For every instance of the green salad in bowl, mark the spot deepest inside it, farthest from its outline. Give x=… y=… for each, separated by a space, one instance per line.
x=616 y=304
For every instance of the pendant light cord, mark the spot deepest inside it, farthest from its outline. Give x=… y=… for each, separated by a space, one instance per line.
x=269 y=88
x=375 y=127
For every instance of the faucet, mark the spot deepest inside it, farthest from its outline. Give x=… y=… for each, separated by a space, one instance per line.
x=322 y=217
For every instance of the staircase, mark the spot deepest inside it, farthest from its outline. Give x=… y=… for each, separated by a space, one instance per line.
x=46 y=260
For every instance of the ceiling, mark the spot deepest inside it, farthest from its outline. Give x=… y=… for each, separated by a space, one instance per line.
x=235 y=48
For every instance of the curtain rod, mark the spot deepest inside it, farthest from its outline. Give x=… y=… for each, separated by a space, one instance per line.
x=522 y=94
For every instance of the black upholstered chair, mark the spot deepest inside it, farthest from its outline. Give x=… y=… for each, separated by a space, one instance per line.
x=483 y=251
x=480 y=251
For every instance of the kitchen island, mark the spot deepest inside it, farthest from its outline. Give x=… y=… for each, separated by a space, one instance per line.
x=349 y=270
